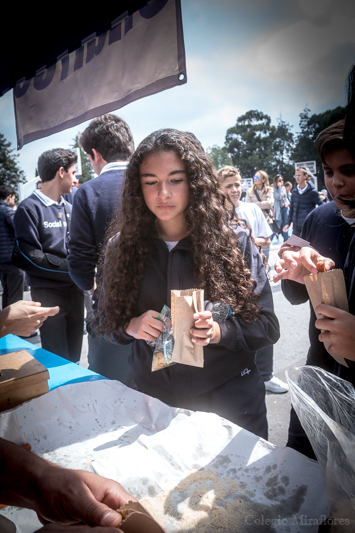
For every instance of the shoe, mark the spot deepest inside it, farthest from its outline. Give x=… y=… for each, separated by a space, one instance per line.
x=276 y=386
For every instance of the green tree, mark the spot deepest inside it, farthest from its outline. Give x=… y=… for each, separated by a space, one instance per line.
x=10 y=172
x=219 y=156
x=249 y=143
x=282 y=147
x=86 y=168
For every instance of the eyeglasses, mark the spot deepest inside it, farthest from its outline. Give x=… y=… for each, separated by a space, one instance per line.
x=279 y=181
x=256 y=177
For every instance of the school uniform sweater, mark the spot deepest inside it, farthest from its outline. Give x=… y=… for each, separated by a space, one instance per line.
x=41 y=231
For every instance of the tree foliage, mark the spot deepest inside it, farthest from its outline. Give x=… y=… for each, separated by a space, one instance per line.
x=219 y=156
x=10 y=172
x=254 y=143
x=86 y=168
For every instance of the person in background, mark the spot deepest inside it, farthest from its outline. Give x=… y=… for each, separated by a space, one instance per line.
x=12 y=279
x=42 y=226
x=262 y=195
x=108 y=142
x=281 y=203
x=231 y=183
x=304 y=198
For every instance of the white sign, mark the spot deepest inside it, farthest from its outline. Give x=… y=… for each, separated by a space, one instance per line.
x=140 y=55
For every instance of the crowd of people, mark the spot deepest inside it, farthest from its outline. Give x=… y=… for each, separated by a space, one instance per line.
x=160 y=217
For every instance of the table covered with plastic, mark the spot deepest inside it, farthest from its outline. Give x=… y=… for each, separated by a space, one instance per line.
x=153 y=449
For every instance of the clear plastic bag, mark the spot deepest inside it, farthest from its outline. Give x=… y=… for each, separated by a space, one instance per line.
x=325 y=405
x=164 y=344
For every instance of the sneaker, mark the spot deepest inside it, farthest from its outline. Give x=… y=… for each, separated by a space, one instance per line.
x=276 y=386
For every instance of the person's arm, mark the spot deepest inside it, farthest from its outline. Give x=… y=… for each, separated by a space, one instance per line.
x=146 y=326
x=238 y=335
x=83 y=249
x=29 y=255
x=262 y=241
x=23 y=318
x=58 y=494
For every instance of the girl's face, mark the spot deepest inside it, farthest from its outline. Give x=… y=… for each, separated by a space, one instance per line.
x=232 y=186
x=164 y=186
x=339 y=176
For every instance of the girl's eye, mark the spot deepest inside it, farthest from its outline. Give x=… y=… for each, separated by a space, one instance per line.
x=177 y=180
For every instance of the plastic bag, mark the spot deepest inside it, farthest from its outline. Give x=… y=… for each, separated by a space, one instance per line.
x=325 y=405
x=164 y=344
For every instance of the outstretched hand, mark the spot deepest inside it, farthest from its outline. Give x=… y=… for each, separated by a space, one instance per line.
x=295 y=265
x=24 y=317
x=77 y=496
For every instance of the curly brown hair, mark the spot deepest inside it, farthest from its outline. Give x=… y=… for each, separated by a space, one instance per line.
x=219 y=264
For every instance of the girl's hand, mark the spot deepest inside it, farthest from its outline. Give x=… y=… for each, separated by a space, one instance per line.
x=338 y=328
x=146 y=326
x=206 y=330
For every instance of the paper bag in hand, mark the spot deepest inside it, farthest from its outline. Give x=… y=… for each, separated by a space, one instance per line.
x=328 y=288
x=184 y=304
x=136 y=519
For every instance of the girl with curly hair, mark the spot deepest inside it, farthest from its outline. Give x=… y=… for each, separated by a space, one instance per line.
x=174 y=232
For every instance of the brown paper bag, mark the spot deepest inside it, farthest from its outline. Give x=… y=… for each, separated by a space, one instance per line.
x=137 y=519
x=328 y=288
x=184 y=304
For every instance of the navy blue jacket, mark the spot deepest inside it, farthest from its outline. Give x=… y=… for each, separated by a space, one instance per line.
x=302 y=204
x=7 y=234
x=42 y=235
x=96 y=202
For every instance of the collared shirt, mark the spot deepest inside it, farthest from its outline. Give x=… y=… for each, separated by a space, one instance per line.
x=46 y=200
x=115 y=165
x=301 y=191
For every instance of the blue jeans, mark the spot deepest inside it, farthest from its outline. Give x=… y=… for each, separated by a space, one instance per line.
x=282 y=222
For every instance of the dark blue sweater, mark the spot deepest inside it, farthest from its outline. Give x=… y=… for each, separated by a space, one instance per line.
x=302 y=204
x=7 y=234
x=95 y=204
x=42 y=234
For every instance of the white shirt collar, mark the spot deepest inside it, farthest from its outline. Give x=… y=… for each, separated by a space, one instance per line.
x=350 y=221
x=115 y=165
x=46 y=200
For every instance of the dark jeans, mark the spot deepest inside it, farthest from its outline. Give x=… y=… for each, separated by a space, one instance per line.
x=264 y=359
x=109 y=360
x=297 y=438
x=62 y=334
x=12 y=281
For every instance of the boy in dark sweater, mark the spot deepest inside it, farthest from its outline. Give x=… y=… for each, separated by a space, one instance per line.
x=330 y=231
x=41 y=225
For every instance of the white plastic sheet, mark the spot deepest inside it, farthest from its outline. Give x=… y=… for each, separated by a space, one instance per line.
x=149 y=447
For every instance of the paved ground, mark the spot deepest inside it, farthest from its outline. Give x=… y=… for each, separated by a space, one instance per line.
x=290 y=351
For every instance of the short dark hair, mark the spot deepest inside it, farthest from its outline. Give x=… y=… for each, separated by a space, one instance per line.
x=5 y=191
x=52 y=160
x=110 y=136
x=330 y=139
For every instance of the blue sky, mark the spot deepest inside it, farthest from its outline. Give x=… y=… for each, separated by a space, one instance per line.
x=275 y=56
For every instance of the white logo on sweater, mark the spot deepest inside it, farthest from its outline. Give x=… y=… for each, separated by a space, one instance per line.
x=55 y=224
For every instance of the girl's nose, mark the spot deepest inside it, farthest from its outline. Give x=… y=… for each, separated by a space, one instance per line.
x=164 y=191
